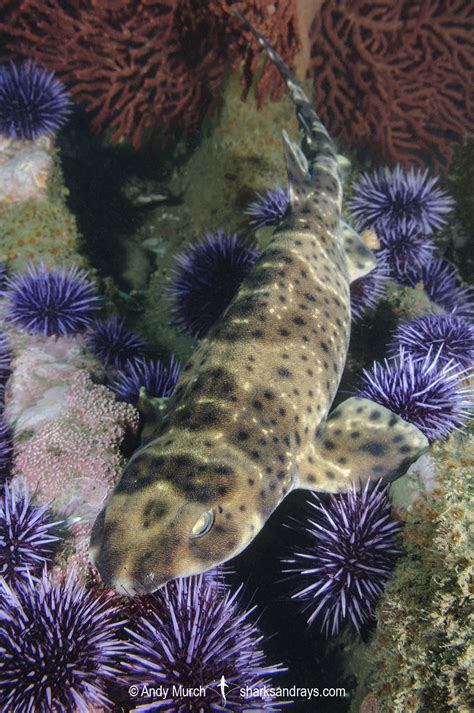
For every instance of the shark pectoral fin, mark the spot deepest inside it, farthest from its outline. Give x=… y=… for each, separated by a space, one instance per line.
x=360 y=441
x=296 y=166
x=151 y=410
x=360 y=259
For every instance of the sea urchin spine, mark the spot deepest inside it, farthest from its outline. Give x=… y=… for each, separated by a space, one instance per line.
x=33 y=102
x=58 y=647
x=350 y=553
x=429 y=393
x=51 y=302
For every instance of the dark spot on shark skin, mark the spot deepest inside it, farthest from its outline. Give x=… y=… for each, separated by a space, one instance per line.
x=284 y=372
x=329 y=445
x=378 y=469
x=392 y=421
x=182 y=461
x=126 y=485
x=405 y=449
x=154 y=510
x=261 y=276
x=375 y=448
x=223 y=470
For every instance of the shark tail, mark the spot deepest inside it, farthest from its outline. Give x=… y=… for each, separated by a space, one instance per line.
x=316 y=142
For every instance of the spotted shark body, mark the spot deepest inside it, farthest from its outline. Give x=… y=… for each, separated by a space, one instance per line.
x=248 y=421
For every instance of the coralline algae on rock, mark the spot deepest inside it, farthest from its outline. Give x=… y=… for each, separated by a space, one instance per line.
x=42 y=373
x=420 y=658
x=34 y=221
x=74 y=460
x=25 y=169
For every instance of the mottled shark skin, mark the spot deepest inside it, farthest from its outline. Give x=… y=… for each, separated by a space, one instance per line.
x=248 y=421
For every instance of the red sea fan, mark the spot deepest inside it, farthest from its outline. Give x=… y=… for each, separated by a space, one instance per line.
x=396 y=74
x=144 y=65
x=277 y=20
x=135 y=65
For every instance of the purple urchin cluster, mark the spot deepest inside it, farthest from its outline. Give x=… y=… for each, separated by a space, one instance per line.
x=192 y=633
x=439 y=279
x=157 y=379
x=270 y=208
x=429 y=393
x=6 y=452
x=366 y=292
x=51 y=302
x=399 y=200
x=208 y=276
x=113 y=344
x=452 y=337
x=26 y=539
x=58 y=647
x=33 y=102
x=403 y=250
x=348 y=558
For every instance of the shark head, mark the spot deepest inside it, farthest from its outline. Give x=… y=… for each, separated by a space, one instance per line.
x=170 y=516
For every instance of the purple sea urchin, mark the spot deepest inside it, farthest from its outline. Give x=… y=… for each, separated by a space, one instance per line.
x=51 y=302
x=440 y=281
x=58 y=647
x=368 y=291
x=33 y=102
x=207 y=278
x=113 y=344
x=270 y=208
x=25 y=535
x=191 y=634
x=399 y=200
x=452 y=336
x=403 y=250
x=6 y=451
x=157 y=379
x=428 y=393
x=348 y=559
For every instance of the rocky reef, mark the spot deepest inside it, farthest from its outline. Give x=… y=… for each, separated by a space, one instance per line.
x=420 y=656
x=35 y=223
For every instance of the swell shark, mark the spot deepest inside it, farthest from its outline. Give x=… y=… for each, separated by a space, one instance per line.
x=250 y=419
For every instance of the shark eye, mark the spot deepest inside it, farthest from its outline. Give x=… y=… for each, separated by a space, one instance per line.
x=203 y=525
